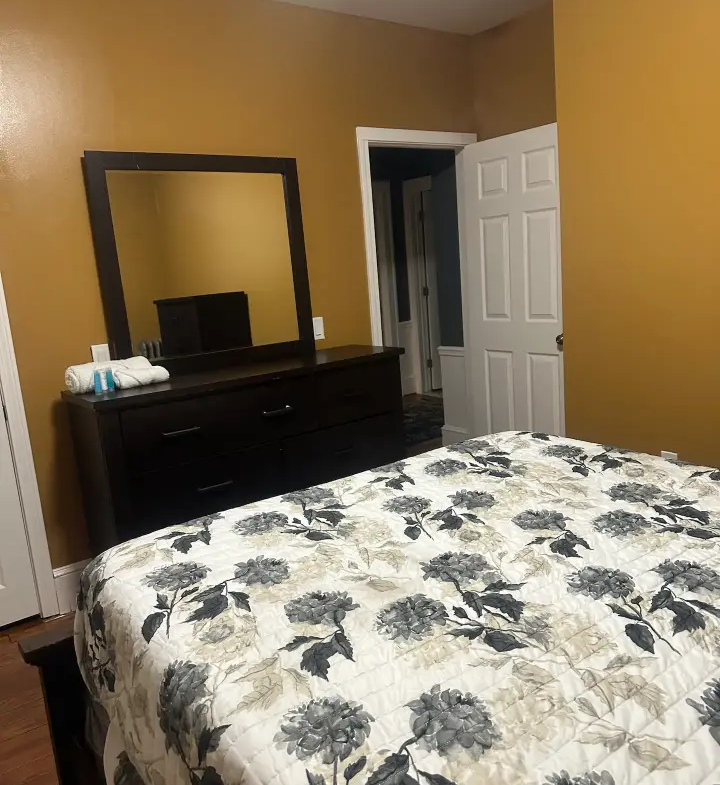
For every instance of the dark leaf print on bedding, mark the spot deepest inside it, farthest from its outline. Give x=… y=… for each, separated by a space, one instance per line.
x=487 y=459
x=173 y=578
x=709 y=709
x=393 y=475
x=183 y=541
x=184 y=719
x=321 y=608
x=673 y=513
x=461 y=569
x=564 y=544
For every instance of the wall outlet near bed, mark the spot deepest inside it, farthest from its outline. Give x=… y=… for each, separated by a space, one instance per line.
x=668 y=456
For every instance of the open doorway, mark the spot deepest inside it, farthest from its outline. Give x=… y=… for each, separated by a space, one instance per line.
x=418 y=269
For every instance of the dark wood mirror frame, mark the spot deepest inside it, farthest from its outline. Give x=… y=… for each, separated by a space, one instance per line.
x=96 y=163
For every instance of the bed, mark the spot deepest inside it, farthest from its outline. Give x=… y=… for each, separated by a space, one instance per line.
x=513 y=609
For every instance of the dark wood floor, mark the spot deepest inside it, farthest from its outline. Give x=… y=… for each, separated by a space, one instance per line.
x=26 y=756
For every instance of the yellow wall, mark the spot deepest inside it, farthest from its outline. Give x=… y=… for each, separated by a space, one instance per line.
x=140 y=249
x=514 y=71
x=638 y=113
x=247 y=77
x=227 y=232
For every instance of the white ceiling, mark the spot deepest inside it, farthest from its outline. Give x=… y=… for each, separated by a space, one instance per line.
x=453 y=16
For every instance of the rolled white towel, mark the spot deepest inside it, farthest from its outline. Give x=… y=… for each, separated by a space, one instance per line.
x=79 y=378
x=138 y=377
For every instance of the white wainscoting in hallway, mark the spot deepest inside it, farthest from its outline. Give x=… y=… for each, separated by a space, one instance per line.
x=452 y=365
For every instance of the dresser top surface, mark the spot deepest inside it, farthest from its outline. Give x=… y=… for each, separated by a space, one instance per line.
x=229 y=378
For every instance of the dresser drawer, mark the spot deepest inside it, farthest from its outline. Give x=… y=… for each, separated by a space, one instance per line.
x=173 y=496
x=359 y=391
x=343 y=450
x=172 y=434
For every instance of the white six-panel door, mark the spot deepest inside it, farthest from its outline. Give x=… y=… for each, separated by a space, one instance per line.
x=509 y=195
x=18 y=595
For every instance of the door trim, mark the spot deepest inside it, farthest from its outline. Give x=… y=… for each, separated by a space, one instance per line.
x=390 y=137
x=25 y=467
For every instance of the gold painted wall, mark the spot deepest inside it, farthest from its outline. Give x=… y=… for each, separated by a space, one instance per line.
x=247 y=77
x=227 y=232
x=514 y=71
x=638 y=113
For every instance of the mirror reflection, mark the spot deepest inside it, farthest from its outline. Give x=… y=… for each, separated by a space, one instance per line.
x=204 y=259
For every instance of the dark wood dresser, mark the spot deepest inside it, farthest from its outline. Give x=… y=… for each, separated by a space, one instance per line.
x=166 y=453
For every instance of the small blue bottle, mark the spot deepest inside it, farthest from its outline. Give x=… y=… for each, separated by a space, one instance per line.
x=98 y=383
x=109 y=381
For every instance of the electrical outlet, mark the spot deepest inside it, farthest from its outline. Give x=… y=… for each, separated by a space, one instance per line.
x=668 y=456
x=100 y=353
x=318 y=327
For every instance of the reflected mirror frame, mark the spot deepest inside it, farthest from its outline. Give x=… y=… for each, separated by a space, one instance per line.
x=95 y=164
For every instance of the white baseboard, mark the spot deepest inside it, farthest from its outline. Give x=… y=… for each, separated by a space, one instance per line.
x=453 y=435
x=67 y=584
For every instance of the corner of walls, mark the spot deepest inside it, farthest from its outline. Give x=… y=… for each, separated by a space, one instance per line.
x=514 y=74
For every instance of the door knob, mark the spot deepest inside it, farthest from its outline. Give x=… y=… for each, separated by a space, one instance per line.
x=559 y=340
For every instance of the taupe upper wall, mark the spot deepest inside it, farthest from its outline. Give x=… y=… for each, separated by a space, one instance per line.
x=514 y=73
x=245 y=77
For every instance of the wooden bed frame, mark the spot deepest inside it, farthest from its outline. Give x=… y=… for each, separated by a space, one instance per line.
x=53 y=654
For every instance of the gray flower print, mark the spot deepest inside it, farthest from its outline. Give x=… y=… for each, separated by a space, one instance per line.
x=618 y=523
x=175 y=577
x=445 y=467
x=532 y=520
x=472 y=500
x=471 y=446
x=411 y=617
x=407 y=505
x=398 y=466
x=458 y=568
x=309 y=496
x=261 y=523
x=446 y=720
x=635 y=492
x=597 y=582
x=563 y=451
x=709 y=709
x=319 y=607
x=689 y=574
x=331 y=728
x=182 y=684
x=262 y=570
x=589 y=778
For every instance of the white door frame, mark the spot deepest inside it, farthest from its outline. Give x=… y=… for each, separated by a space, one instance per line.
x=390 y=137
x=25 y=467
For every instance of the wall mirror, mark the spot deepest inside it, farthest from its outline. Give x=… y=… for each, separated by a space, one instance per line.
x=201 y=258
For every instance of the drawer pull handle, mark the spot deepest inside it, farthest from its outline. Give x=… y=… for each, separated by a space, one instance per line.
x=287 y=409
x=345 y=450
x=351 y=395
x=181 y=432
x=216 y=487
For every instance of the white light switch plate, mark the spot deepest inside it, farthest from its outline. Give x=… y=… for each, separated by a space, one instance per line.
x=100 y=353
x=318 y=327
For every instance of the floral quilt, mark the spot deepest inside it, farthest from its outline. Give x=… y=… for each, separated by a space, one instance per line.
x=513 y=609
